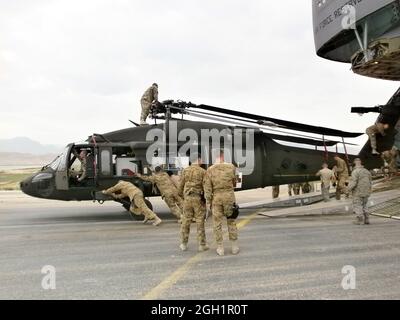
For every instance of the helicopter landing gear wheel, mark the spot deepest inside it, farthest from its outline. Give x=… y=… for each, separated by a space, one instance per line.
x=133 y=216
x=127 y=207
x=148 y=204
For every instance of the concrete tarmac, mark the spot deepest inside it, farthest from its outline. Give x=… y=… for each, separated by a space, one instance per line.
x=98 y=252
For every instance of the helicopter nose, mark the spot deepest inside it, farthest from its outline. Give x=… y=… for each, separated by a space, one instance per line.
x=26 y=186
x=39 y=185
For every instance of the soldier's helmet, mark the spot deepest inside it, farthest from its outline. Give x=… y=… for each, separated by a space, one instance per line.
x=155 y=84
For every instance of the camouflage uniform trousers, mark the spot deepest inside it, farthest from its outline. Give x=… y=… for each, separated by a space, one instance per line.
x=275 y=192
x=138 y=207
x=360 y=207
x=145 y=110
x=174 y=203
x=393 y=168
x=341 y=186
x=193 y=207
x=372 y=139
x=325 y=192
x=290 y=190
x=306 y=188
x=295 y=187
x=222 y=204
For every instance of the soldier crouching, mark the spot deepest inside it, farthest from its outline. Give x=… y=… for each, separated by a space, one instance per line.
x=124 y=189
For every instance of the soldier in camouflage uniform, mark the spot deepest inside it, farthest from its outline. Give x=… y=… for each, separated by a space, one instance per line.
x=290 y=190
x=168 y=191
x=372 y=131
x=191 y=189
x=361 y=187
x=326 y=176
x=306 y=188
x=275 y=192
x=80 y=175
x=219 y=187
x=176 y=179
x=124 y=189
x=342 y=175
x=150 y=96
x=390 y=158
x=296 y=188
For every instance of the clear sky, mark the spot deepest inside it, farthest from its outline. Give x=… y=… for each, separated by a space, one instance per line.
x=69 y=68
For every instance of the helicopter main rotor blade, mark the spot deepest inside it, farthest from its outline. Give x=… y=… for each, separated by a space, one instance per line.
x=312 y=142
x=282 y=123
x=297 y=139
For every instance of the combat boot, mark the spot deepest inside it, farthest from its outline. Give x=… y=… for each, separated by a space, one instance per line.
x=366 y=220
x=235 y=247
x=157 y=221
x=203 y=247
x=220 y=250
x=358 y=221
x=183 y=246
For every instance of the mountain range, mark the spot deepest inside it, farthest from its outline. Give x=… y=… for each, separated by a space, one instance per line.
x=23 y=151
x=27 y=145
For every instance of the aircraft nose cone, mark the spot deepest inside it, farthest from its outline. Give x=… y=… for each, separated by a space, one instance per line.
x=26 y=185
x=39 y=185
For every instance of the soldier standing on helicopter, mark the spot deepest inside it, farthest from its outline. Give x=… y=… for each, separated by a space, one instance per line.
x=149 y=97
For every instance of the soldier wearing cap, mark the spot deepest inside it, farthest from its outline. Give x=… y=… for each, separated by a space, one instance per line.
x=361 y=188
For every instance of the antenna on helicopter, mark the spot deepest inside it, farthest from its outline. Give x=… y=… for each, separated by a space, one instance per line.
x=134 y=123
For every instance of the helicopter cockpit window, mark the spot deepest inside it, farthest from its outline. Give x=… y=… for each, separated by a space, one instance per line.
x=62 y=160
x=55 y=163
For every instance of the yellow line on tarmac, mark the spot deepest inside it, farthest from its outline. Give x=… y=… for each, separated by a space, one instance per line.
x=173 y=278
x=242 y=223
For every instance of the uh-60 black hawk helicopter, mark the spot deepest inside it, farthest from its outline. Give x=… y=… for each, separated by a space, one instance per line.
x=119 y=155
